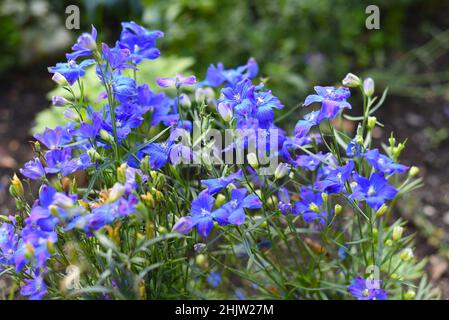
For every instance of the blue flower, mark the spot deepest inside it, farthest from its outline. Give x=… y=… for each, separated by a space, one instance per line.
x=233 y=211
x=183 y=225
x=383 y=163
x=60 y=160
x=332 y=101
x=54 y=138
x=139 y=41
x=266 y=102
x=214 y=279
x=215 y=185
x=367 y=289
x=71 y=70
x=35 y=288
x=177 y=81
x=216 y=75
x=124 y=88
x=201 y=213
x=333 y=181
x=117 y=57
x=9 y=242
x=33 y=169
x=84 y=46
x=354 y=149
x=309 y=206
x=284 y=205
x=240 y=97
x=374 y=190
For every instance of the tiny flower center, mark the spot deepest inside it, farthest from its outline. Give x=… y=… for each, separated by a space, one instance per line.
x=371 y=191
x=365 y=293
x=313 y=207
x=234 y=204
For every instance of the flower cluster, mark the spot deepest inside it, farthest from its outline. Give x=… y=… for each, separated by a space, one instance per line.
x=118 y=177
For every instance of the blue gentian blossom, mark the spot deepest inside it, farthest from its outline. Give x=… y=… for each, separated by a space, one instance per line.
x=367 y=289
x=71 y=70
x=34 y=288
x=233 y=211
x=201 y=212
x=84 y=46
x=332 y=101
x=216 y=75
x=240 y=97
x=383 y=163
x=354 y=149
x=139 y=41
x=54 y=138
x=309 y=206
x=117 y=57
x=177 y=81
x=266 y=102
x=374 y=190
x=9 y=242
x=33 y=169
x=216 y=185
x=334 y=179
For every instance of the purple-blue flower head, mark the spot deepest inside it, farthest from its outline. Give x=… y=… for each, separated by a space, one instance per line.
x=367 y=289
x=383 y=163
x=33 y=169
x=374 y=190
x=201 y=213
x=71 y=70
x=139 y=41
x=332 y=101
x=215 y=185
x=177 y=81
x=309 y=206
x=233 y=211
x=84 y=46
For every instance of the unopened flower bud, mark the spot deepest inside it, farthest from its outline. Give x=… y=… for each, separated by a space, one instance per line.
x=220 y=200
x=413 y=172
x=106 y=136
x=351 y=80
x=410 y=295
x=389 y=243
x=200 y=95
x=62 y=201
x=29 y=251
x=368 y=87
x=184 y=101
x=53 y=210
x=397 y=151
x=59 y=101
x=201 y=261
x=117 y=191
x=162 y=230
x=359 y=139
x=50 y=247
x=93 y=155
x=60 y=79
x=17 y=186
x=121 y=173
x=397 y=233
x=71 y=115
x=324 y=196
x=183 y=225
x=148 y=200
x=337 y=209
x=406 y=255
x=282 y=170
x=225 y=111
x=145 y=164
x=381 y=210
x=371 y=123
x=252 y=160
x=209 y=93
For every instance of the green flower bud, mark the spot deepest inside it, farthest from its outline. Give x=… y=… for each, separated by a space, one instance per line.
x=351 y=80
x=407 y=255
x=117 y=191
x=410 y=295
x=121 y=173
x=368 y=87
x=382 y=210
x=220 y=200
x=397 y=233
x=281 y=171
x=389 y=243
x=252 y=160
x=106 y=136
x=337 y=209
x=413 y=172
x=371 y=123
